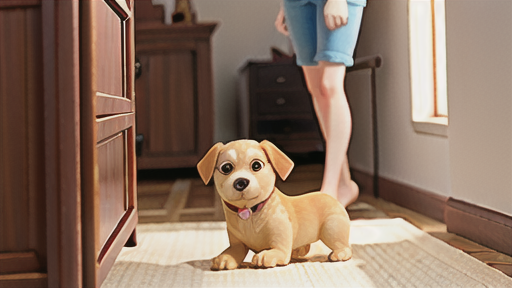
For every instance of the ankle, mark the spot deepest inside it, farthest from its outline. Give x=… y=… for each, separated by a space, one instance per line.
x=348 y=194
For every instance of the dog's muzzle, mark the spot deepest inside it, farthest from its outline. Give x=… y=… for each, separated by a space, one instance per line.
x=240 y=184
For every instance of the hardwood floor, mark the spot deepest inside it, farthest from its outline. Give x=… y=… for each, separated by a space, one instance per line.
x=179 y=196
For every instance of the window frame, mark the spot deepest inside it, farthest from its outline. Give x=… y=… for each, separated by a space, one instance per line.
x=427 y=44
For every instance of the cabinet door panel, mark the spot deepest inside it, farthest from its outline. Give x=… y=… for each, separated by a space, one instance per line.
x=108 y=116
x=109 y=48
x=112 y=173
x=171 y=105
x=22 y=166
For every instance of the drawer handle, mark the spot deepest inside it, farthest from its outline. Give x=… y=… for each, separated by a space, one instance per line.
x=280 y=101
x=138 y=68
x=280 y=79
x=139 y=139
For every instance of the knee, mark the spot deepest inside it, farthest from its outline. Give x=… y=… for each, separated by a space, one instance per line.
x=331 y=89
x=328 y=90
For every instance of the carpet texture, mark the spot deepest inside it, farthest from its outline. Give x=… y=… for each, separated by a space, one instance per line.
x=386 y=253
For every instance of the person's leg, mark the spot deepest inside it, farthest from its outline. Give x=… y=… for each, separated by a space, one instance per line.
x=325 y=83
x=324 y=54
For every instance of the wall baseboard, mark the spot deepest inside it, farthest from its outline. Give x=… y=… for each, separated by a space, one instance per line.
x=421 y=201
x=481 y=225
x=364 y=180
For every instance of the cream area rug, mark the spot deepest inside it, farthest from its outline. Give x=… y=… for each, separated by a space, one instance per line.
x=386 y=253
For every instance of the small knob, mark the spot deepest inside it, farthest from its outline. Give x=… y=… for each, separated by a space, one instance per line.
x=139 y=139
x=280 y=101
x=138 y=68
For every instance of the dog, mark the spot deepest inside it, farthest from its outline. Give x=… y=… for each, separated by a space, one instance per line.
x=259 y=217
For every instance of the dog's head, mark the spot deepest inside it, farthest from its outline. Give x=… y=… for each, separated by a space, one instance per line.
x=243 y=170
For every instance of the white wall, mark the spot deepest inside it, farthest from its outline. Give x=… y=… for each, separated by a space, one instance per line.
x=479 y=54
x=474 y=163
x=407 y=157
x=358 y=90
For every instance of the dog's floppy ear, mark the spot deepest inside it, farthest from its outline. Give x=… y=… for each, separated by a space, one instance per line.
x=206 y=166
x=281 y=163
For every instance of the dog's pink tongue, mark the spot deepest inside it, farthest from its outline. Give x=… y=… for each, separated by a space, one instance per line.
x=244 y=213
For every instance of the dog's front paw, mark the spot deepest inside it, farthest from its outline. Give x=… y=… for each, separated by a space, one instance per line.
x=343 y=254
x=224 y=262
x=270 y=258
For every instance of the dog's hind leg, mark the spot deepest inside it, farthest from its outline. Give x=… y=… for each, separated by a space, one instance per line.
x=335 y=234
x=300 y=252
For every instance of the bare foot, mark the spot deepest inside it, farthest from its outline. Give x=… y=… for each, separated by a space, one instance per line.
x=348 y=196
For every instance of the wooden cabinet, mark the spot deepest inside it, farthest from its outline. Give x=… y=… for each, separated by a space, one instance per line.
x=174 y=92
x=274 y=104
x=67 y=148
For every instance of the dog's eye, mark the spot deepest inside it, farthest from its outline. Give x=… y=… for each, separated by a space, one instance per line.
x=256 y=165
x=226 y=168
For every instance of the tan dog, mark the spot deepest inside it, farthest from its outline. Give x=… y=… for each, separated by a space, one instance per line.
x=260 y=217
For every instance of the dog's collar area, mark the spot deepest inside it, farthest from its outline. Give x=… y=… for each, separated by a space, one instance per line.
x=245 y=213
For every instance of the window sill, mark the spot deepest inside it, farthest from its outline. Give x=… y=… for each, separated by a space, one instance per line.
x=434 y=126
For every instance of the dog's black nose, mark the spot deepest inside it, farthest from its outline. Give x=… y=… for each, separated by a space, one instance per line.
x=240 y=184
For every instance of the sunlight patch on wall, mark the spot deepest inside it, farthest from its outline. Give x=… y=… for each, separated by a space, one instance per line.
x=427 y=37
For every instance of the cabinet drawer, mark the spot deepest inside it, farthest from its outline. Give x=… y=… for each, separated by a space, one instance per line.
x=286 y=76
x=287 y=127
x=283 y=102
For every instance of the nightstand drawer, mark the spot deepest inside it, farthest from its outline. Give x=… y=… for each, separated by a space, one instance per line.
x=283 y=102
x=284 y=76
x=274 y=104
x=288 y=127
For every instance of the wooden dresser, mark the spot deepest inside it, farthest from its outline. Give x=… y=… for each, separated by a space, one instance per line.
x=174 y=90
x=274 y=104
x=67 y=150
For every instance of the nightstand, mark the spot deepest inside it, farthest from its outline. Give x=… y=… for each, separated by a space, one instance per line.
x=274 y=104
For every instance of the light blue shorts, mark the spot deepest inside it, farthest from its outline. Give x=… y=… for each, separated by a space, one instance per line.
x=313 y=41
